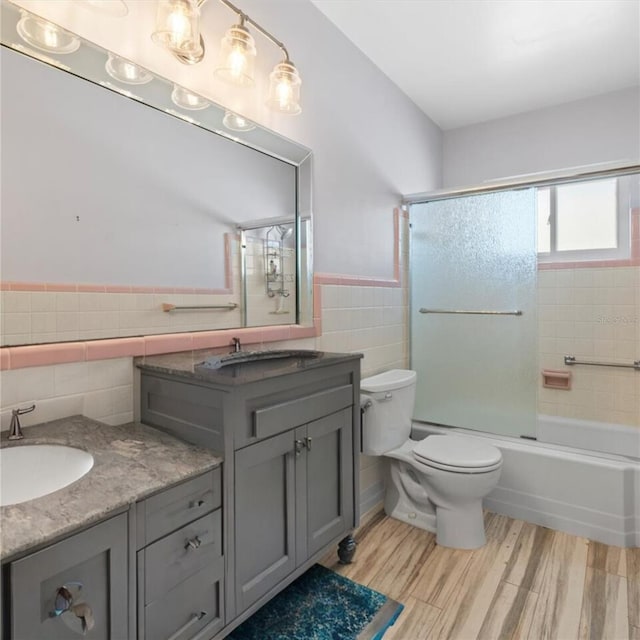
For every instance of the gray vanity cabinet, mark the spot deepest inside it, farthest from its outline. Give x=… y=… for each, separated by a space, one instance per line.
x=293 y=496
x=180 y=561
x=92 y=567
x=290 y=437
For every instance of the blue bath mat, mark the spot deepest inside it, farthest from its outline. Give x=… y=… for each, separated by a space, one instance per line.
x=321 y=605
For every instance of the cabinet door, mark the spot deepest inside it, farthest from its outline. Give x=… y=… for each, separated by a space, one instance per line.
x=329 y=480
x=92 y=566
x=264 y=517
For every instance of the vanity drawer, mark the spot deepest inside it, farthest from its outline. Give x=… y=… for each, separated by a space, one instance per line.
x=167 y=511
x=171 y=560
x=269 y=421
x=196 y=603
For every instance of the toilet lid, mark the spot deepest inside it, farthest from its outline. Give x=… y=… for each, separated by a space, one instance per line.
x=457 y=453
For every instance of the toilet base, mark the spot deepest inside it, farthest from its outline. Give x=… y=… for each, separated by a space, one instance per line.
x=426 y=521
x=461 y=528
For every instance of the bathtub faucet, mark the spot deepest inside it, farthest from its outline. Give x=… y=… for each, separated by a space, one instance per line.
x=236 y=345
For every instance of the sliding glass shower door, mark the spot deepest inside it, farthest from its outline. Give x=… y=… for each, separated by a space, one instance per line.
x=473 y=311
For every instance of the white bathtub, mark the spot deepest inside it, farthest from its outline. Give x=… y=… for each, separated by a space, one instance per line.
x=585 y=493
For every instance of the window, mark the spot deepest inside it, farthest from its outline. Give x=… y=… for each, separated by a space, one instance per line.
x=586 y=220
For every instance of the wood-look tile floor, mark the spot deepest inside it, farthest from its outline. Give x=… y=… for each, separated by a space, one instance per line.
x=527 y=582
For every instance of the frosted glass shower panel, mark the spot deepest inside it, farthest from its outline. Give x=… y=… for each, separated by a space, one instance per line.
x=475 y=254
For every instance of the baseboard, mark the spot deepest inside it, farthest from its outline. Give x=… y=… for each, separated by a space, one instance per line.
x=371 y=497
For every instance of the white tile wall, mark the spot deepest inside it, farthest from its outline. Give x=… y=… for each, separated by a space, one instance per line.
x=102 y=390
x=592 y=314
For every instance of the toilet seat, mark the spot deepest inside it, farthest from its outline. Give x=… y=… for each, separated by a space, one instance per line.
x=457 y=454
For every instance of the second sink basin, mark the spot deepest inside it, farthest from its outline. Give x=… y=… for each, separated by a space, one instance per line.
x=33 y=471
x=241 y=357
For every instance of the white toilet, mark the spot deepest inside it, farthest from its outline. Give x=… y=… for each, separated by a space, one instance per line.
x=437 y=483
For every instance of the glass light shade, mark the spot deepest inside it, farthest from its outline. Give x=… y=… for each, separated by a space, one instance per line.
x=284 y=89
x=236 y=122
x=124 y=71
x=178 y=26
x=187 y=100
x=237 y=57
x=116 y=8
x=45 y=35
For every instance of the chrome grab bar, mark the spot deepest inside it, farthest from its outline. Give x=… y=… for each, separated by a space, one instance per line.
x=570 y=360
x=517 y=312
x=172 y=307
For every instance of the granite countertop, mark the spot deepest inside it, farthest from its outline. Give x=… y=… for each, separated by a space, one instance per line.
x=185 y=364
x=130 y=462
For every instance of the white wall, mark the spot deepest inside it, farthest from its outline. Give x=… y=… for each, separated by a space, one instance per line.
x=601 y=129
x=370 y=142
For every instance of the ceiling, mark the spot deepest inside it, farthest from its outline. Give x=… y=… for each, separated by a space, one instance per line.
x=469 y=61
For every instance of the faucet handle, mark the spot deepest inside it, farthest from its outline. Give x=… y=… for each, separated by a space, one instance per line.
x=21 y=412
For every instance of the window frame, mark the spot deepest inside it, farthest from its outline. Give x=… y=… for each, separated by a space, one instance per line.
x=623 y=228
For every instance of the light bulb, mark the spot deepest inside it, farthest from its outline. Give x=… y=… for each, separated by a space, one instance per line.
x=284 y=89
x=237 y=57
x=177 y=26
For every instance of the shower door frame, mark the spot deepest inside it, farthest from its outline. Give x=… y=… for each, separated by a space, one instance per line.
x=529 y=181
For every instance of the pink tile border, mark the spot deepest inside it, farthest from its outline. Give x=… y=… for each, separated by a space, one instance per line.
x=45 y=354
x=59 y=353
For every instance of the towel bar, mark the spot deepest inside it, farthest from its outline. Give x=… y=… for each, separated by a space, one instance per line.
x=172 y=307
x=517 y=312
x=570 y=360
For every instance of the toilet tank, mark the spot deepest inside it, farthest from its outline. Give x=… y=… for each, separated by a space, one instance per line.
x=387 y=421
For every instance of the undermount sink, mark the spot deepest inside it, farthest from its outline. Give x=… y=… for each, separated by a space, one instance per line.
x=33 y=471
x=241 y=357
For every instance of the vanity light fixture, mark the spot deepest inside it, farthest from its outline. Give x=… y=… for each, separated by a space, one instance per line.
x=177 y=29
x=236 y=122
x=122 y=70
x=45 y=35
x=237 y=56
x=185 y=99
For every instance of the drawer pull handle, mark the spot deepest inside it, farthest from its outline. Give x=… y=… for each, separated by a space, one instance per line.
x=194 y=543
x=196 y=617
x=307 y=443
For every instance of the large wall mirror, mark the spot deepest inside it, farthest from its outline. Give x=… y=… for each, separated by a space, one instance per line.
x=124 y=213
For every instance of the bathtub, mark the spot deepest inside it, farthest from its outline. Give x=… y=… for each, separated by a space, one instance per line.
x=583 y=492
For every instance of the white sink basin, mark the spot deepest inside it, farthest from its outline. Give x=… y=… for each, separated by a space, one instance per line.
x=33 y=471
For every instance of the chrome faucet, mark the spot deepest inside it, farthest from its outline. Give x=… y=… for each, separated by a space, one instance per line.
x=236 y=345
x=15 y=430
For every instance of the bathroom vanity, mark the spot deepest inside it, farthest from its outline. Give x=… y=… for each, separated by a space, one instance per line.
x=165 y=539
x=288 y=429
x=133 y=546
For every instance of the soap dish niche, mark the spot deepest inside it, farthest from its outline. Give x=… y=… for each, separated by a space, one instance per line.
x=555 y=379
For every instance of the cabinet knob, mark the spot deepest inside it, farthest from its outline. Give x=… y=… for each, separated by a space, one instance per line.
x=299 y=444
x=194 y=543
x=307 y=443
